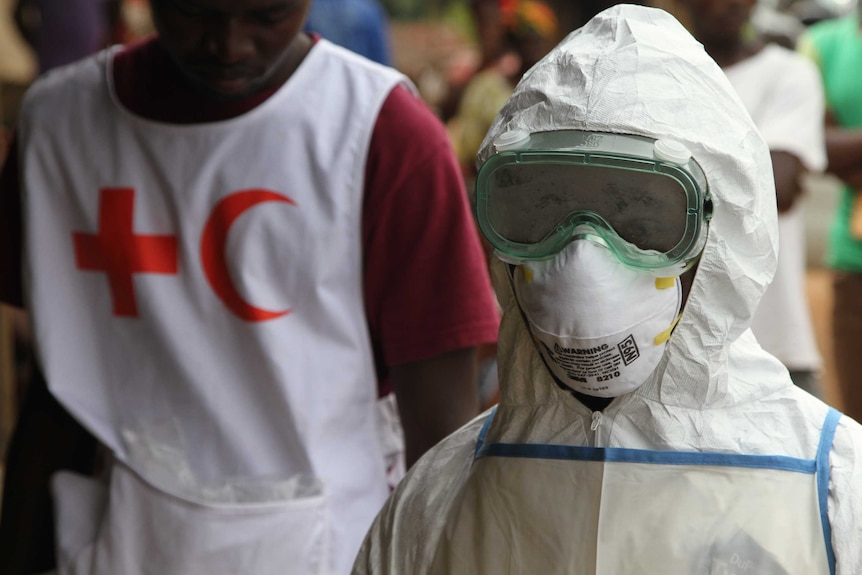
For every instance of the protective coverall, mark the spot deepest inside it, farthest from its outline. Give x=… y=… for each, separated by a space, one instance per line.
x=717 y=463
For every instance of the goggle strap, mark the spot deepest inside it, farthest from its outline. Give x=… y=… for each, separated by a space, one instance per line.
x=512 y=260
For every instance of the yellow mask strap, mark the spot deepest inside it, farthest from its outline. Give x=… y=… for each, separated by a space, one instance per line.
x=665 y=335
x=666 y=283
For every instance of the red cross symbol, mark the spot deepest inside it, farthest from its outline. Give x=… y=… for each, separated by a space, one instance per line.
x=119 y=252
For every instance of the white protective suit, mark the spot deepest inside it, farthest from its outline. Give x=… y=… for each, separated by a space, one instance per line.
x=717 y=464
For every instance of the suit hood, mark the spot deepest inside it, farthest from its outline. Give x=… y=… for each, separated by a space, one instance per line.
x=637 y=70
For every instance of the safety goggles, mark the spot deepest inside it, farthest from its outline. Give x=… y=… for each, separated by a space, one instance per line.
x=646 y=199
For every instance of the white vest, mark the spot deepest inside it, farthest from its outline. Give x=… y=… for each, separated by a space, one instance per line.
x=197 y=297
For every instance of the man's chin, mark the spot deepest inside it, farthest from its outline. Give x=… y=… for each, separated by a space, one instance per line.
x=226 y=89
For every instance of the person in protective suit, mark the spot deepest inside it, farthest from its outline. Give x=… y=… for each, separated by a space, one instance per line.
x=641 y=428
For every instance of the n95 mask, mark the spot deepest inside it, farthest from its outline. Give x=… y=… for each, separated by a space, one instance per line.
x=600 y=326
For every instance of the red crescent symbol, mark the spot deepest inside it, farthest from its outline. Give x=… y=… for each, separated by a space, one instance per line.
x=214 y=242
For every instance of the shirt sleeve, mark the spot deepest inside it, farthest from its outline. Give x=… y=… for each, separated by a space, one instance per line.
x=10 y=231
x=427 y=287
x=807 y=47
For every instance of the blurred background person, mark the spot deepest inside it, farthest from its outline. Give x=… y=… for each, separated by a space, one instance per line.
x=529 y=29
x=359 y=25
x=490 y=31
x=62 y=31
x=781 y=91
x=836 y=48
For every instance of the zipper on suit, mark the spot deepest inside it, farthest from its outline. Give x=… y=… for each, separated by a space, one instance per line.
x=596 y=422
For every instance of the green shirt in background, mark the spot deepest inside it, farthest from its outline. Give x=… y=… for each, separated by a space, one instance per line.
x=836 y=47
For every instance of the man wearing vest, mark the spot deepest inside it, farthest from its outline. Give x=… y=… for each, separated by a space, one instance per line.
x=236 y=239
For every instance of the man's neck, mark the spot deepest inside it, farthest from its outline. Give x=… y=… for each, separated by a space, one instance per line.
x=593 y=403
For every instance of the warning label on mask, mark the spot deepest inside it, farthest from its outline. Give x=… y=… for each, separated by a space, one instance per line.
x=594 y=364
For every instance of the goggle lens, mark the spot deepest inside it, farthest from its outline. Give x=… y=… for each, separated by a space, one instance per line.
x=527 y=202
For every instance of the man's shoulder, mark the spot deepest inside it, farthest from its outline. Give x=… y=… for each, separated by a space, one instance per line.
x=406 y=122
x=356 y=62
x=52 y=90
x=403 y=101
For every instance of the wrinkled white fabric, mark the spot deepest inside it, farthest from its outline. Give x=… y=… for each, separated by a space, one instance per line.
x=600 y=325
x=637 y=70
